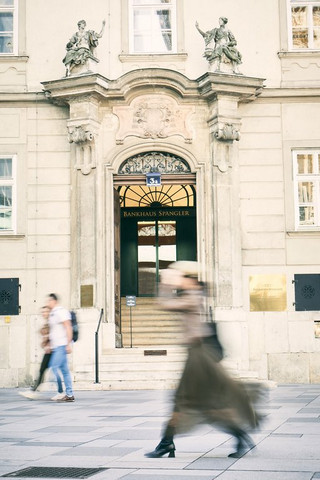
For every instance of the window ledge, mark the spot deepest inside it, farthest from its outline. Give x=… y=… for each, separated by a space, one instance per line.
x=299 y=53
x=153 y=57
x=304 y=233
x=11 y=236
x=13 y=58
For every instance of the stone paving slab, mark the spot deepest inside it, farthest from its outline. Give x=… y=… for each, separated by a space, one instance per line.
x=254 y=475
x=113 y=430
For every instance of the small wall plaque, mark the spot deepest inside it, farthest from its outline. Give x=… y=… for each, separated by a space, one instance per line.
x=86 y=296
x=268 y=293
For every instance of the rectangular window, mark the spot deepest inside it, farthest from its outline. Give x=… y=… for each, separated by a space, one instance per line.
x=8 y=27
x=152 y=26
x=304 y=21
x=306 y=168
x=7 y=193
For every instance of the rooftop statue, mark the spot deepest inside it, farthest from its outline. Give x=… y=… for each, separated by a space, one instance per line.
x=220 y=47
x=80 y=47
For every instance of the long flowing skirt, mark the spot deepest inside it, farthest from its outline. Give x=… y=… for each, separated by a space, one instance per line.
x=207 y=394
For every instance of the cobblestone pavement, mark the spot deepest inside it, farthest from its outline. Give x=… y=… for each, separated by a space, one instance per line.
x=111 y=431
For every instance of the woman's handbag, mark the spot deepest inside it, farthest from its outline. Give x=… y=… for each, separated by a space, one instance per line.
x=213 y=339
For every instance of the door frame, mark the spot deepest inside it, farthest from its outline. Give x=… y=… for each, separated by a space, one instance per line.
x=201 y=177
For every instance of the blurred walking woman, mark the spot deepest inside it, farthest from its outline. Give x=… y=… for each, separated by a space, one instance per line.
x=206 y=393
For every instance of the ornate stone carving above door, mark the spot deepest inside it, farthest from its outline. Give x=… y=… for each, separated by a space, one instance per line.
x=153 y=116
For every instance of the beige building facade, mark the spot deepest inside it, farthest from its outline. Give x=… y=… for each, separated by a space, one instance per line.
x=78 y=217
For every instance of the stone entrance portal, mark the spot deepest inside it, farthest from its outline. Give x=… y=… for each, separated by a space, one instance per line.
x=157 y=227
x=195 y=125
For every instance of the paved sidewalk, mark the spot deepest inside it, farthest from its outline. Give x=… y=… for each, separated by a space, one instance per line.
x=113 y=430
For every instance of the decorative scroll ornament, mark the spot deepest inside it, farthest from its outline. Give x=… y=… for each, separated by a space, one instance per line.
x=224 y=135
x=227 y=133
x=154 y=162
x=83 y=140
x=78 y=134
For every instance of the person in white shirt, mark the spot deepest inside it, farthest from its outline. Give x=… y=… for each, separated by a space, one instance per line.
x=61 y=343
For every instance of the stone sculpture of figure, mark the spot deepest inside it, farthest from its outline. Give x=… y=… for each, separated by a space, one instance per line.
x=81 y=46
x=220 y=46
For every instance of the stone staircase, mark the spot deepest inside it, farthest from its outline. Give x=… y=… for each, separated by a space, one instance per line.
x=138 y=368
x=155 y=359
x=151 y=326
x=151 y=358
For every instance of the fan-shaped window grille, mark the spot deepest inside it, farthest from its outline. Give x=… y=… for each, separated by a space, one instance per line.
x=152 y=162
x=153 y=197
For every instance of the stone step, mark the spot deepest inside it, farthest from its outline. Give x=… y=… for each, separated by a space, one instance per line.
x=127 y=385
x=154 y=336
x=149 y=321
x=132 y=368
x=157 y=367
x=143 y=355
x=135 y=368
x=151 y=375
x=148 y=314
x=152 y=331
x=143 y=342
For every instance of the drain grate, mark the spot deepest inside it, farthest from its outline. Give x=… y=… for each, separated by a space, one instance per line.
x=54 y=472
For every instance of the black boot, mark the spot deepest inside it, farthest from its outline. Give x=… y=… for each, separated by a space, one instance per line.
x=165 y=446
x=244 y=444
x=241 y=450
x=248 y=440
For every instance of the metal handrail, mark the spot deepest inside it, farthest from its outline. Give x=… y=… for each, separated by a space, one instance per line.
x=96 y=343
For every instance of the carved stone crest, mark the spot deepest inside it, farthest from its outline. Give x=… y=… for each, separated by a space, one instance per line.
x=153 y=116
x=153 y=119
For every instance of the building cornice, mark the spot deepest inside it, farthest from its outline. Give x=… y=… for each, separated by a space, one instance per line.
x=148 y=80
x=299 y=54
x=22 y=97
x=246 y=89
x=288 y=93
x=13 y=58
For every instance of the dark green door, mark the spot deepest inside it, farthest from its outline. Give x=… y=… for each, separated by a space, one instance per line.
x=186 y=239
x=128 y=257
x=149 y=246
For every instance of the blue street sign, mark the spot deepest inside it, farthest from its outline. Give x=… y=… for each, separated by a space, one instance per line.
x=153 y=179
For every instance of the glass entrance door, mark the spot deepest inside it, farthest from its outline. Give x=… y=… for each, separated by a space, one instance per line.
x=156 y=250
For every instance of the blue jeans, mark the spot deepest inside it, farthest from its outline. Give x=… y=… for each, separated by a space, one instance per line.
x=43 y=367
x=59 y=361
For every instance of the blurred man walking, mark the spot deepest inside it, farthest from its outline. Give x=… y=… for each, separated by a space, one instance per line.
x=61 y=343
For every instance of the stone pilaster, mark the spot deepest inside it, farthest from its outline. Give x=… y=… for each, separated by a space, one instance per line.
x=83 y=135
x=224 y=126
x=224 y=93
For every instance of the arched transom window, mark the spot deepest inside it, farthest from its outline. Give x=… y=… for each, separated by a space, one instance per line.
x=163 y=196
